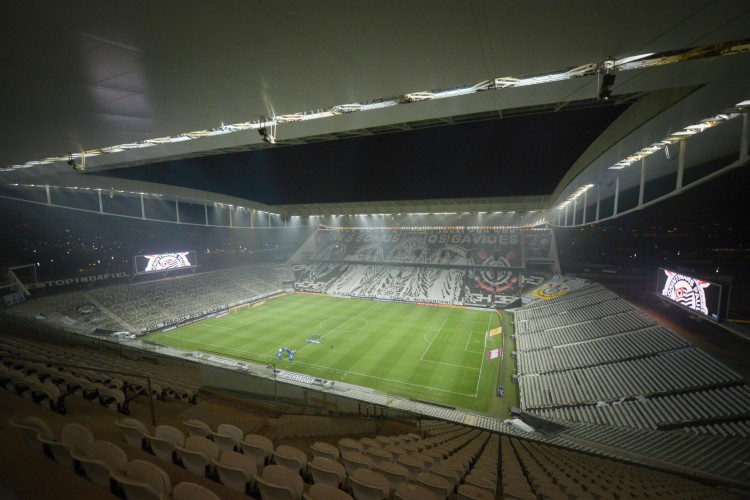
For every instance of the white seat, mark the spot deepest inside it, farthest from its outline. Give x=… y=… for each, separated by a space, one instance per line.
x=324 y=492
x=259 y=448
x=410 y=491
x=198 y=428
x=134 y=432
x=191 y=491
x=59 y=451
x=290 y=457
x=279 y=483
x=471 y=492
x=353 y=460
x=395 y=473
x=142 y=479
x=227 y=437
x=440 y=486
x=77 y=437
x=236 y=471
x=136 y=489
x=379 y=455
x=481 y=482
x=321 y=449
x=197 y=455
x=369 y=485
x=101 y=460
x=348 y=444
x=327 y=471
x=31 y=426
x=413 y=464
x=164 y=440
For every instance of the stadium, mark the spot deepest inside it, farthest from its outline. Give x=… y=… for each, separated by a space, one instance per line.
x=390 y=250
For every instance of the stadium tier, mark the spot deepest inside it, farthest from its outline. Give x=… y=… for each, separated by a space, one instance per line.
x=458 y=266
x=595 y=374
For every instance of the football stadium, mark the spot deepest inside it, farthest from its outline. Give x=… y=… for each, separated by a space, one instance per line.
x=392 y=250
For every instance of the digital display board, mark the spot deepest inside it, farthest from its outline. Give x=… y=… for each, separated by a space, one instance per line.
x=696 y=294
x=161 y=262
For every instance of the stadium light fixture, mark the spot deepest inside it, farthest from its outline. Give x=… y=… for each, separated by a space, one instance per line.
x=610 y=66
x=677 y=136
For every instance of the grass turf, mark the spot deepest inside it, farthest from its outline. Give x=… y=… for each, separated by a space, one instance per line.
x=431 y=353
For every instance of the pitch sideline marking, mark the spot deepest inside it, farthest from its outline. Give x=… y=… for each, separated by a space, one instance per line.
x=421 y=358
x=383 y=378
x=479 y=378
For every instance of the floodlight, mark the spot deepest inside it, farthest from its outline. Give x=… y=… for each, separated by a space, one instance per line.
x=605 y=90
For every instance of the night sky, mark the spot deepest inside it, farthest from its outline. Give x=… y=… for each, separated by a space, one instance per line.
x=522 y=155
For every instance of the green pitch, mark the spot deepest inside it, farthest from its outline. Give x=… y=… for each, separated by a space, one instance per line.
x=431 y=353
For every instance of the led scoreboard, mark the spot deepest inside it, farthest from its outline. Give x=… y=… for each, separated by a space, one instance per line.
x=163 y=262
x=693 y=293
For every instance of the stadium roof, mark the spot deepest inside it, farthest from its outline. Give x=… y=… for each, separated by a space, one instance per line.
x=141 y=83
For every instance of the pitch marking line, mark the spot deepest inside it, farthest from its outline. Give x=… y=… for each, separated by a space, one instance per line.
x=466 y=348
x=479 y=379
x=349 y=372
x=219 y=346
x=421 y=358
x=342 y=324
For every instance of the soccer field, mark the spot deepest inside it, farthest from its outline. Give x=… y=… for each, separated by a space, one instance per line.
x=433 y=353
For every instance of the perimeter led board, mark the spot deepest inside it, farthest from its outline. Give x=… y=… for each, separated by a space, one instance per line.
x=161 y=262
x=695 y=294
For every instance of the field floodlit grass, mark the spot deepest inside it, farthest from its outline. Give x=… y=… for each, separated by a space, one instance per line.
x=432 y=353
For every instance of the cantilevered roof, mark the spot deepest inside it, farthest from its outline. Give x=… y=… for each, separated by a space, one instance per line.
x=138 y=83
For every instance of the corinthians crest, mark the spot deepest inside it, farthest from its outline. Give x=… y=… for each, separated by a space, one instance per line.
x=689 y=292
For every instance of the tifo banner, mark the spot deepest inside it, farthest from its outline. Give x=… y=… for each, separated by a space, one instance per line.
x=495 y=353
x=551 y=291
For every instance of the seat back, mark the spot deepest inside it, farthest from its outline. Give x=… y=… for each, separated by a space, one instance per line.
x=197 y=454
x=30 y=431
x=369 y=485
x=197 y=428
x=321 y=449
x=436 y=484
x=236 y=471
x=77 y=437
x=171 y=434
x=135 y=489
x=95 y=470
x=274 y=491
x=152 y=474
x=353 y=460
x=133 y=431
x=228 y=437
x=259 y=448
x=414 y=465
x=471 y=492
x=410 y=491
x=327 y=471
x=290 y=457
x=60 y=452
x=110 y=454
x=275 y=474
x=191 y=491
x=379 y=455
x=348 y=444
x=395 y=473
x=320 y=491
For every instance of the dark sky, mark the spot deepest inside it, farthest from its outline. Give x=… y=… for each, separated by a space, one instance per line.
x=522 y=155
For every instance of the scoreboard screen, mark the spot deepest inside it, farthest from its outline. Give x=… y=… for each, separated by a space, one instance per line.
x=696 y=294
x=160 y=262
